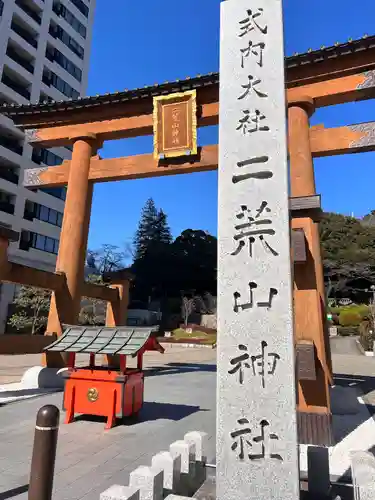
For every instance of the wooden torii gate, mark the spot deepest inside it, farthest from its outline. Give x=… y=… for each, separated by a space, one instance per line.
x=115 y=292
x=332 y=75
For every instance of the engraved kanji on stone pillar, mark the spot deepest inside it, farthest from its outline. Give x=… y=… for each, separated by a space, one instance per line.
x=257 y=450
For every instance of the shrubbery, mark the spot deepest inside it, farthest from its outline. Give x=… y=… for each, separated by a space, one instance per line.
x=366 y=335
x=349 y=315
x=350 y=318
x=347 y=331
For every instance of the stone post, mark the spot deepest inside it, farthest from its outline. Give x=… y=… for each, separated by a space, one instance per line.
x=65 y=305
x=309 y=291
x=256 y=448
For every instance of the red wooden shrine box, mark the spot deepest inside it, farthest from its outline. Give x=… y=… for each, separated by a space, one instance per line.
x=104 y=390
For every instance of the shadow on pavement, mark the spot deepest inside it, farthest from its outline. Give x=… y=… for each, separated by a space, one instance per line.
x=27 y=392
x=151 y=410
x=171 y=368
x=364 y=384
x=348 y=412
x=14 y=492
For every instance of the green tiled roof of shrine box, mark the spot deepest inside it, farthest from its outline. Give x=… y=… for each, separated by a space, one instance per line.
x=298 y=59
x=102 y=340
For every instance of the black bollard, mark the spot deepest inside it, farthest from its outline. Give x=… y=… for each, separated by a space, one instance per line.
x=44 y=453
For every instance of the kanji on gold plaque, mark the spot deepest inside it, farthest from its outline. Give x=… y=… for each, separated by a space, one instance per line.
x=175 y=125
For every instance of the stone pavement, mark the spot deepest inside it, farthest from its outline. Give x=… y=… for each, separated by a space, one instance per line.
x=178 y=398
x=13 y=367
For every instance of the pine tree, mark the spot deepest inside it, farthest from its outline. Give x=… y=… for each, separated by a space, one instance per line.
x=162 y=232
x=152 y=245
x=145 y=232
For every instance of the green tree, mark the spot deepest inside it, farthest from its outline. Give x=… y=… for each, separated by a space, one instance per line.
x=195 y=261
x=152 y=243
x=32 y=309
x=153 y=232
x=145 y=232
x=33 y=306
x=162 y=231
x=348 y=250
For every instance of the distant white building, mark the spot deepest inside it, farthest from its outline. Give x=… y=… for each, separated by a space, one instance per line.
x=44 y=54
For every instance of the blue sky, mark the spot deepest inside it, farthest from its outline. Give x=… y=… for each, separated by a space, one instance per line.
x=144 y=42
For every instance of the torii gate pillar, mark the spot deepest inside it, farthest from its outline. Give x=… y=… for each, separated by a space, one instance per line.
x=65 y=304
x=309 y=292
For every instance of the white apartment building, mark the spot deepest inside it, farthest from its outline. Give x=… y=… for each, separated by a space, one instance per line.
x=44 y=55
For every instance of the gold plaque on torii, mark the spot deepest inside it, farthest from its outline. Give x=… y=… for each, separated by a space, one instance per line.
x=175 y=125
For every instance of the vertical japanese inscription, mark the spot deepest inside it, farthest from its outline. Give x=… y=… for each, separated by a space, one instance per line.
x=176 y=122
x=256 y=392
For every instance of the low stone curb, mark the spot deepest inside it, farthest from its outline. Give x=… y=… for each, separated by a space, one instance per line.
x=365 y=353
x=180 y=344
x=176 y=474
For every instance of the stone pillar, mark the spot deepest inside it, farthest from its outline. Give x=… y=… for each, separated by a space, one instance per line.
x=309 y=291
x=256 y=439
x=65 y=304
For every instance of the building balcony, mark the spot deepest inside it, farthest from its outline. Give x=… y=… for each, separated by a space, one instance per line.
x=81 y=6
x=17 y=87
x=24 y=33
x=36 y=16
x=9 y=175
x=11 y=144
x=15 y=55
x=7 y=207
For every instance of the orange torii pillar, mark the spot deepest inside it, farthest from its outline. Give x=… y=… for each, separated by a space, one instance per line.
x=314 y=413
x=65 y=304
x=117 y=312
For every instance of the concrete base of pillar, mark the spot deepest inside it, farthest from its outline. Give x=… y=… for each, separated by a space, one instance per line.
x=39 y=377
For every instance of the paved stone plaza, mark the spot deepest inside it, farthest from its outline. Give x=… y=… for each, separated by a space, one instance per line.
x=179 y=397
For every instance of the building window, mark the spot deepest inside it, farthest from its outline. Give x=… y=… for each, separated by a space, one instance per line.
x=39 y=242
x=60 y=10
x=57 y=32
x=59 y=192
x=50 y=245
x=49 y=78
x=45 y=214
x=1 y=7
x=54 y=55
x=47 y=157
